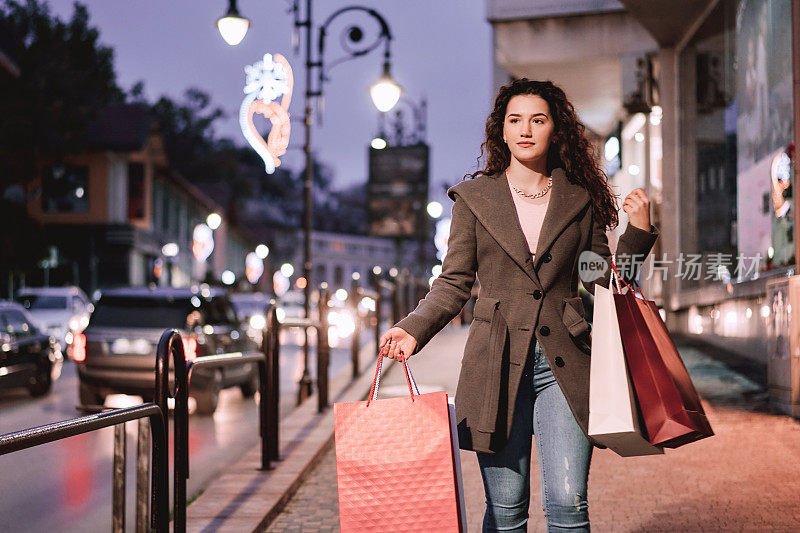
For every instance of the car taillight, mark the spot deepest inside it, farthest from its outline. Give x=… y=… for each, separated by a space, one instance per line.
x=79 y=348
x=190 y=348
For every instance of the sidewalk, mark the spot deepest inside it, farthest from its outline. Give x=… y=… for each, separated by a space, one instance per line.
x=745 y=478
x=244 y=498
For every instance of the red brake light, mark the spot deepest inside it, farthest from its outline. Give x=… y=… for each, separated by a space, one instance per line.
x=190 y=348
x=79 y=348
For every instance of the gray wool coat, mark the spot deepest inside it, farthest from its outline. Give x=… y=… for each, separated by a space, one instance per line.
x=519 y=298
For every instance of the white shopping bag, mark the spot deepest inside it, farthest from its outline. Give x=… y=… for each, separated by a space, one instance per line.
x=613 y=411
x=457 y=460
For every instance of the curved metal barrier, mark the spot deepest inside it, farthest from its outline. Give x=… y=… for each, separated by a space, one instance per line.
x=171 y=346
x=159 y=499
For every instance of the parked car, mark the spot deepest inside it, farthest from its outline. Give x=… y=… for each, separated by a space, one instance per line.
x=28 y=356
x=59 y=311
x=116 y=353
x=252 y=309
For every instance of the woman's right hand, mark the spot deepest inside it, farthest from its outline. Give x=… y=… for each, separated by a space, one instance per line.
x=397 y=343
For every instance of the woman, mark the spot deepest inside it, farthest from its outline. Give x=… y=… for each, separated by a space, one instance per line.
x=528 y=225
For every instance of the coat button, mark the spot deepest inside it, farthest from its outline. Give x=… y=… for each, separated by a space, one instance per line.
x=544 y=330
x=537 y=294
x=559 y=361
x=547 y=257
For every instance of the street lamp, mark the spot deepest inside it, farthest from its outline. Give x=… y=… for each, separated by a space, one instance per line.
x=385 y=94
x=232 y=26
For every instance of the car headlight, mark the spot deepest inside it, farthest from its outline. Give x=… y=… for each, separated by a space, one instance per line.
x=258 y=321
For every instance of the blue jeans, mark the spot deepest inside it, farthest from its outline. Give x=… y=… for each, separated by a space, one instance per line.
x=564 y=456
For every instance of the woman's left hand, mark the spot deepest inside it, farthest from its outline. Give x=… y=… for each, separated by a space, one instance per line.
x=637 y=206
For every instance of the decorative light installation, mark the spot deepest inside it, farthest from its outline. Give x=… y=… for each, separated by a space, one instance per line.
x=253 y=267
x=267 y=80
x=202 y=242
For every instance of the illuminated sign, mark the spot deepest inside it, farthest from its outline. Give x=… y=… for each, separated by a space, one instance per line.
x=253 y=267
x=202 y=242
x=267 y=80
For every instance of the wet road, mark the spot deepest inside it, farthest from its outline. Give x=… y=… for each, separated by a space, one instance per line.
x=65 y=486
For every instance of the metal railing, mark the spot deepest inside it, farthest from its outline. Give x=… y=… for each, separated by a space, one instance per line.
x=171 y=346
x=323 y=353
x=159 y=499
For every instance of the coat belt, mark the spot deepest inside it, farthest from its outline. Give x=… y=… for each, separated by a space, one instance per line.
x=498 y=336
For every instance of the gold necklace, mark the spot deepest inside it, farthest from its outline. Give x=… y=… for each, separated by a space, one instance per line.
x=533 y=195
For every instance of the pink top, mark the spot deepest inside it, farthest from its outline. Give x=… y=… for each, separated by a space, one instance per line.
x=531 y=215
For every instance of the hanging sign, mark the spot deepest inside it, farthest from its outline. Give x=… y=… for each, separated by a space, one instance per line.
x=265 y=81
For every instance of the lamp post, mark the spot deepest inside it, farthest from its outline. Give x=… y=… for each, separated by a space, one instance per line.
x=385 y=93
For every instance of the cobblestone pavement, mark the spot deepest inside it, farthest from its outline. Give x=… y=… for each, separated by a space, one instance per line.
x=745 y=478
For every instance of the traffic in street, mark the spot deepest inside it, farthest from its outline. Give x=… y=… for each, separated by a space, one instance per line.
x=67 y=485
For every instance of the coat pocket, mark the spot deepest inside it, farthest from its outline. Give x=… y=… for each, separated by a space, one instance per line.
x=573 y=316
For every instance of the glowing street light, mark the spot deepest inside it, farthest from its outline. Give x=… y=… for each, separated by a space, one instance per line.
x=385 y=92
x=262 y=251
x=228 y=277
x=232 y=26
x=213 y=220
x=287 y=270
x=378 y=143
x=435 y=209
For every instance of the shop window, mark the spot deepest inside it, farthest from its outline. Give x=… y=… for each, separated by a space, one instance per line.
x=741 y=122
x=65 y=189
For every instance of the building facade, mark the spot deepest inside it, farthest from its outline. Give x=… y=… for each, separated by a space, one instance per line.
x=117 y=215
x=696 y=102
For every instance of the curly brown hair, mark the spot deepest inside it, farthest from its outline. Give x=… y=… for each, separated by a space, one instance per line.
x=573 y=151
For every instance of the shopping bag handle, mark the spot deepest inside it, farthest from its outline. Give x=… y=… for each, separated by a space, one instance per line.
x=619 y=278
x=376 y=382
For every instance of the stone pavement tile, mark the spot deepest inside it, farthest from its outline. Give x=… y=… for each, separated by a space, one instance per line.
x=315 y=504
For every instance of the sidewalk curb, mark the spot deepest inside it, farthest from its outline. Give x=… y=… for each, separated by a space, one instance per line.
x=245 y=498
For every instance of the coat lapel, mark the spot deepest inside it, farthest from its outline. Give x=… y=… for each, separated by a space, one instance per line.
x=489 y=198
x=566 y=201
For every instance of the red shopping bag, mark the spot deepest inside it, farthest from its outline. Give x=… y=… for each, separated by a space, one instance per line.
x=669 y=403
x=395 y=464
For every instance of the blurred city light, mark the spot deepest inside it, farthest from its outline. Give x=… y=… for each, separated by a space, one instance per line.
x=611 y=148
x=170 y=249
x=253 y=267
x=287 y=270
x=377 y=270
x=435 y=209
x=228 y=277
x=202 y=242
x=258 y=321
x=214 y=220
x=378 y=143
x=262 y=251
x=341 y=294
